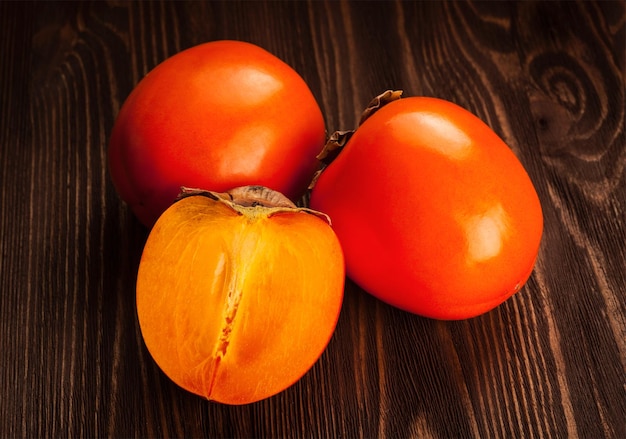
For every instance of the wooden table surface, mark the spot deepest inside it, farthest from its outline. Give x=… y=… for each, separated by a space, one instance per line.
x=548 y=77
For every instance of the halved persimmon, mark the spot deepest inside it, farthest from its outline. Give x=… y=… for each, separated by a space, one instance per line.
x=238 y=296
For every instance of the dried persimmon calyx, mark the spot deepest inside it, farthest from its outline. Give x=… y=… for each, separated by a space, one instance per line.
x=252 y=196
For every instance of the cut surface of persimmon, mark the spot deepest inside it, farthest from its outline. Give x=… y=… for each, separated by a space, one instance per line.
x=236 y=299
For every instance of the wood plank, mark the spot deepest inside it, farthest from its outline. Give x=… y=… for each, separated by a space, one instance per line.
x=546 y=76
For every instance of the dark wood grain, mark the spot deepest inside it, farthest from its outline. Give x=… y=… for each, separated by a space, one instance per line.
x=547 y=76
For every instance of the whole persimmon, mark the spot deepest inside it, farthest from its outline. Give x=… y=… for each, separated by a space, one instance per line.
x=218 y=115
x=435 y=213
x=238 y=293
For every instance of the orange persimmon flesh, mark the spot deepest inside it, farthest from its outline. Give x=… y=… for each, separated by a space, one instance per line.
x=237 y=303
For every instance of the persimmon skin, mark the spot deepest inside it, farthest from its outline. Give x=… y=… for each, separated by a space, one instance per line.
x=217 y=115
x=434 y=212
x=237 y=305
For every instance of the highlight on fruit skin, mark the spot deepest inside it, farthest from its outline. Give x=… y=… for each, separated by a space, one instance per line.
x=237 y=298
